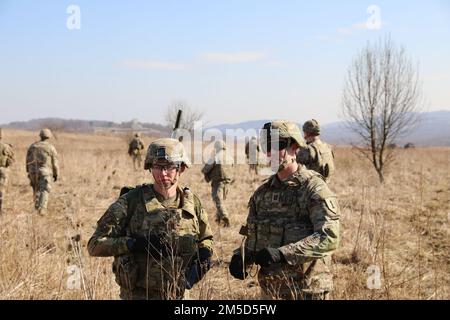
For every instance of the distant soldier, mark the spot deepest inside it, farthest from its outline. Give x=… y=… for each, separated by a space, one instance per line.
x=292 y=225
x=135 y=150
x=157 y=233
x=316 y=155
x=42 y=166
x=252 y=153
x=218 y=172
x=6 y=160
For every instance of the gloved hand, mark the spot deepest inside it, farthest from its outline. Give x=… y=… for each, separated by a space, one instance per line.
x=236 y=267
x=198 y=268
x=55 y=177
x=267 y=256
x=152 y=244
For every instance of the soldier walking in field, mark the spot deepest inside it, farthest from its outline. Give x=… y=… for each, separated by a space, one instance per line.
x=252 y=154
x=157 y=233
x=6 y=160
x=135 y=148
x=218 y=172
x=316 y=155
x=42 y=168
x=292 y=226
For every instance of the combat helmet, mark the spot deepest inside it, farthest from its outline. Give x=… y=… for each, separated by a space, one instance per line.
x=45 y=134
x=219 y=145
x=287 y=132
x=168 y=149
x=312 y=127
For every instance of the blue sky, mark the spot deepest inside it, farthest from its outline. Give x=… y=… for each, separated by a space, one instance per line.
x=235 y=60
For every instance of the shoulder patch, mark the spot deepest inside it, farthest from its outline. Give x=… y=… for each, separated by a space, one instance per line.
x=332 y=204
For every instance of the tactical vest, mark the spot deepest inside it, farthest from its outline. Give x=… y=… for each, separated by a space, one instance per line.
x=177 y=227
x=281 y=216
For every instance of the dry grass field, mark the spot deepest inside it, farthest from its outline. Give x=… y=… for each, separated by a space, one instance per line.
x=399 y=228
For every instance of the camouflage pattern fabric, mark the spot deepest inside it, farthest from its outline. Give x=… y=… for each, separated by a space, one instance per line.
x=300 y=217
x=183 y=227
x=42 y=166
x=135 y=151
x=219 y=192
x=252 y=153
x=168 y=149
x=219 y=174
x=6 y=160
x=318 y=156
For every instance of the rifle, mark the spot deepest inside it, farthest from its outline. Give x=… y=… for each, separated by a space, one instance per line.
x=177 y=125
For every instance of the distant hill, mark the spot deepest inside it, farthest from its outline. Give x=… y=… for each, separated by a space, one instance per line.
x=433 y=129
x=90 y=126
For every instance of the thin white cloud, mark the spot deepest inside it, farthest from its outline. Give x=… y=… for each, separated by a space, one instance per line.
x=233 y=57
x=153 y=64
x=343 y=32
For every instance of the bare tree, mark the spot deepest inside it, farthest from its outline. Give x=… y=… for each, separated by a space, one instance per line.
x=381 y=100
x=189 y=116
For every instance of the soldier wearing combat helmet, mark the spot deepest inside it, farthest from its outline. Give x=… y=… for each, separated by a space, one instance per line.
x=292 y=226
x=135 y=148
x=316 y=155
x=42 y=166
x=218 y=171
x=6 y=160
x=157 y=233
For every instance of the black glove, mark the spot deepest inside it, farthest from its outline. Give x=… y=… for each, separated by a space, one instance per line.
x=265 y=257
x=198 y=268
x=236 y=267
x=55 y=177
x=152 y=244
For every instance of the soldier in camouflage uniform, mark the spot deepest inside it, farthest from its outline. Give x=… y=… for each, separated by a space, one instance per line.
x=316 y=155
x=135 y=150
x=42 y=166
x=218 y=171
x=157 y=233
x=252 y=153
x=292 y=226
x=6 y=160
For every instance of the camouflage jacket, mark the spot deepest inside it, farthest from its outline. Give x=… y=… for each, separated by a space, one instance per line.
x=215 y=171
x=135 y=144
x=318 y=156
x=300 y=217
x=139 y=213
x=6 y=155
x=42 y=158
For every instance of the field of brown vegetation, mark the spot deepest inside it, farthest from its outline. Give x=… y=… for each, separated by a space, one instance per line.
x=399 y=228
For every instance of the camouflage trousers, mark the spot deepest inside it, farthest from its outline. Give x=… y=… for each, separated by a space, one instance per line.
x=286 y=283
x=149 y=279
x=3 y=182
x=41 y=185
x=219 y=194
x=137 y=159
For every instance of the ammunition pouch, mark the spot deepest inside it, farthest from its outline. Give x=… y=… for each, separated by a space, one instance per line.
x=126 y=271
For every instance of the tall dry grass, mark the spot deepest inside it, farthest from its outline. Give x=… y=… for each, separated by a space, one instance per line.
x=399 y=228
